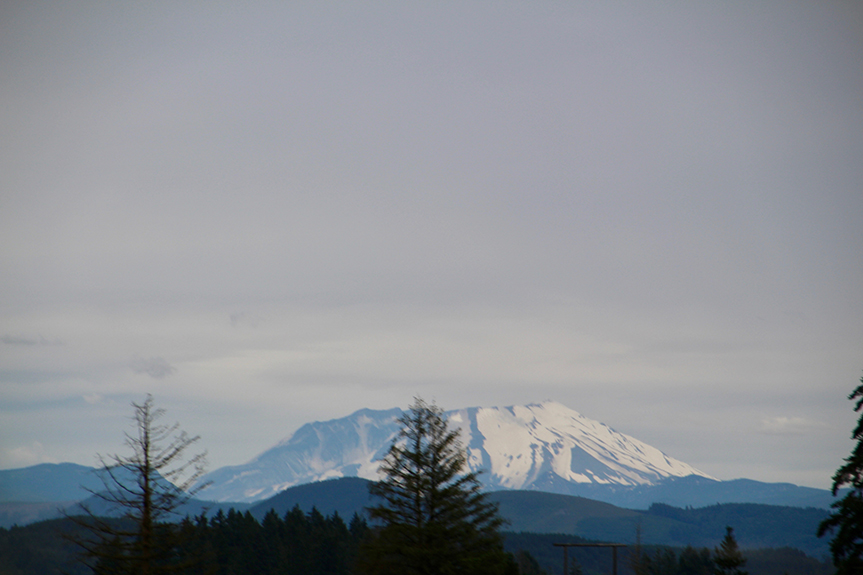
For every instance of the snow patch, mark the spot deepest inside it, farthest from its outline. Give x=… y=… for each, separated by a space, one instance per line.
x=517 y=445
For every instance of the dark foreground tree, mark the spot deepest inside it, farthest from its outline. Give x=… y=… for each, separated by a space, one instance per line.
x=433 y=518
x=236 y=543
x=694 y=561
x=144 y=490
x=727 y=558
x=846 y=521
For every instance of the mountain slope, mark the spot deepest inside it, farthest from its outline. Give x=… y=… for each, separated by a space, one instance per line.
x=48 y=482
x=697 y=491
x=538 y=445
x=346 y=447
x=544 y=446
x=345 y=496
x=539 y=512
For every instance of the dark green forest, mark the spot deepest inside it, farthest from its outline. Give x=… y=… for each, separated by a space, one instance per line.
x=235 y=543
x=661 y=560
x=294 y=544
x=232 y=543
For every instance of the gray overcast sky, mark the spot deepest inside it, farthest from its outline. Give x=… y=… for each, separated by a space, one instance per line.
x=285 y=212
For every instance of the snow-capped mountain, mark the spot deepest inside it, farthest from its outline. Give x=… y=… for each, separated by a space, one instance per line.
x=544 y=446
x=346 y=447
x=537 y=446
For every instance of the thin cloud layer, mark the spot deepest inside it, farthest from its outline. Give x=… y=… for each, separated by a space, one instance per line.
x=788 y=425
x=155 y=367
x=290 y=212
x=27 y=341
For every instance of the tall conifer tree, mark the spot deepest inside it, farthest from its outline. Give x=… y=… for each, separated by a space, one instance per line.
x=727 y=558
x=846 y=521
x=433 y=517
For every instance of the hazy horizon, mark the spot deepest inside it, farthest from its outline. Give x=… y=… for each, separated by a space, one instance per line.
x=278 y=213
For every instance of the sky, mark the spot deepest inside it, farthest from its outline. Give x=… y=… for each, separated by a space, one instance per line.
x=282 y=212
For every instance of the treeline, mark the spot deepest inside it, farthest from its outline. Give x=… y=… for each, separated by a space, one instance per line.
x=232 y=543
x=692 y=561
x=40 y=549
x=297 y=543
x=235 y=543
x=658 y=560
x=755 y=525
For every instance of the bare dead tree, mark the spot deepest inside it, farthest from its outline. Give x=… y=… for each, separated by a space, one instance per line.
x=131 y=530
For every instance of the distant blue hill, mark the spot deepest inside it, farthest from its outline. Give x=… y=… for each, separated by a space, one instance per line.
x=344 y=496
x=755 y=525
x=696 y=491
x=692 y=491
x=49 y=490
x=65 y=482
x=48 y=482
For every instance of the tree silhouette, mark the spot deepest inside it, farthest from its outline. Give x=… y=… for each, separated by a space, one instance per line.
x=727 y=558
x=144 y=489
x=846 y=521
x=433 y=517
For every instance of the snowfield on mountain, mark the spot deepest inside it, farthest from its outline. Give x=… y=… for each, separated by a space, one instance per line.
x=544 y=446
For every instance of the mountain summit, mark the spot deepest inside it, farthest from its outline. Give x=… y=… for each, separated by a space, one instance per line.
x=544 y=446
x=538 y=446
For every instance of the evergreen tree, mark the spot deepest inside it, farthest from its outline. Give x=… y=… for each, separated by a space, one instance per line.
x=663 y=562
x=695 y=562
x=527 y=564
x=235 y=543
x=727 y=558
x=433 y=518
x=847 y=518
x=145 y=488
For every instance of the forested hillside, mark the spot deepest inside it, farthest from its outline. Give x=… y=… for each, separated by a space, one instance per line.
x=756 y=526
x=236 y=543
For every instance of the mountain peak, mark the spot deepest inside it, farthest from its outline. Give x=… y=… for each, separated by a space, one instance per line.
x=545 y=446
x=524 y=447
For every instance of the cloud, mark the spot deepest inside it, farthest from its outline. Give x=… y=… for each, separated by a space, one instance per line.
x=28 y=341
x=25 y=456
x=155 y=367
x=243 y=318
x=587 y=216
x=94 y=398
x=787 y=425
